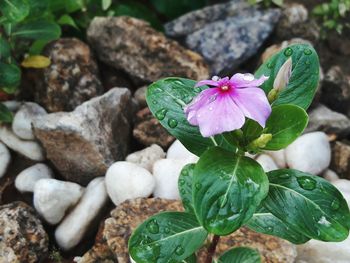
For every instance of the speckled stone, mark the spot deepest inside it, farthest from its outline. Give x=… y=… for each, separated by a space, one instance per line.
x=82 y=144
x=71 y=79
x=341 y=159
x=227 y=43
x=148 y=130
x=128 y=215
x=22 y=236
x=197 y=19
x=133 y=46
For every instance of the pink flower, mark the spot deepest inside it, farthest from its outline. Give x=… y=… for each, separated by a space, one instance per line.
x=224 y=107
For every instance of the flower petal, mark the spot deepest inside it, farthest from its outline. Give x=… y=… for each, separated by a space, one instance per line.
x=201 y=100
x=207 y=82
x=221 y=115
x=253 y=103
x=240 y=80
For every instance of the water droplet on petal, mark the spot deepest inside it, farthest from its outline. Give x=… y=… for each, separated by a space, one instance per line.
x=172 y=123
x=160 y=114
x=306 y=183
x=307 y=52
x=153 y=227
x=335 y=204
x=288 y=52
x=248 y=77
x=179 y=250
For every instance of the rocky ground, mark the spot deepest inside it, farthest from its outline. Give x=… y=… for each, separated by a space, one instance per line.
x=84 y=154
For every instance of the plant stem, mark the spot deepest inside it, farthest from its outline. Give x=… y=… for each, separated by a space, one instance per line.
x=212 y=248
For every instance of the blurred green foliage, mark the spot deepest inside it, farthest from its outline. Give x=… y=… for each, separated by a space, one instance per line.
x=267 y=3
x=335 y=14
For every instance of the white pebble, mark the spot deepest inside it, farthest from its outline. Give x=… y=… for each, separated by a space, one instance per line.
x=77 y=223
x=126 y=180
x=5 y=159
x=146 y=157
x=279 y=157
x=178 y=151
x=330 y=175
x=26 y=180
x=22 y=122
x=52 y=198
x=310 y=153
x=30 y=149
x=166 y=172
x=266 y=162
x=12 y=105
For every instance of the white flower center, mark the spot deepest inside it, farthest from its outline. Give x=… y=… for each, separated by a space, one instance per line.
x=224 y=88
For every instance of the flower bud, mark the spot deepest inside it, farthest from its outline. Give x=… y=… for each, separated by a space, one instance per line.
x=261 y=141
x=283 y=75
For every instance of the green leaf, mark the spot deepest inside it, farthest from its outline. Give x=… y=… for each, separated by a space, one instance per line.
x=190 y=259
x=227 y=190
x=309 y=204
x=38 y=8
x=240 y=255
x=166 y=99
x=166 y=237
x=185 y=186
x=38 y=30
x=10 y=75
x=67 y=20
x=304 y=79
x=5 y=49
x=265 y=222
x=5 y=114
x=285 y=123
x=106 y=4
x=14 y=10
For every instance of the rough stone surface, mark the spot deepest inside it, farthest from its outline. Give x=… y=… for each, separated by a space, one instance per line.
x=26 y=180
x=128 y=215
x=132 y=45
x=146 y=157
x=324 y=119
x=72 y=77
x=78 y=222
x=52 y=198
x=84 y=143
x=336 y=90
x=279 y=157
x=140 y=96
x=295 y=22
x=23 y=238
x=29 y=149
x=310 y=153
x=126 y=180
x=227 y=43
x=22 y=122
x=5 y=159
x=338 y=43
x=148 y=130
x=341 y=159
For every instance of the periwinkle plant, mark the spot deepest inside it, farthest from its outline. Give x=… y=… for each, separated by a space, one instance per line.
x=226 y=190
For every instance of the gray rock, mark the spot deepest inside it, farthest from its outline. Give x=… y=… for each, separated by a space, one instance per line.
x=5 y=159
x=335 y=91
x=140 y=96
x=324 y=119
x=227 y=43
x=196 y=20
x=23 y=238
x=82 y=144
x=22 y=122
x=146 y=157
x=145 y=54
x=72 y=77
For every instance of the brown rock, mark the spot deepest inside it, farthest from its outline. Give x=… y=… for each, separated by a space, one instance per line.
x=341 y=159
x=71 y=79
x=22 y=236
x=149 y=131
x=145 y=54
x=82 y=144
x=128 y=215
x=339 y=43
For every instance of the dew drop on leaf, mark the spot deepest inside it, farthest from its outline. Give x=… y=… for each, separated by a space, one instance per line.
x=284 y=176
x=172 y=123
x=335 y=204
x=160 y=114
x=288 y=52
x=306 y=183
x=179 y=250
x=153 y=226
x=307 y=52
x=198 y=186
x=182 y=181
